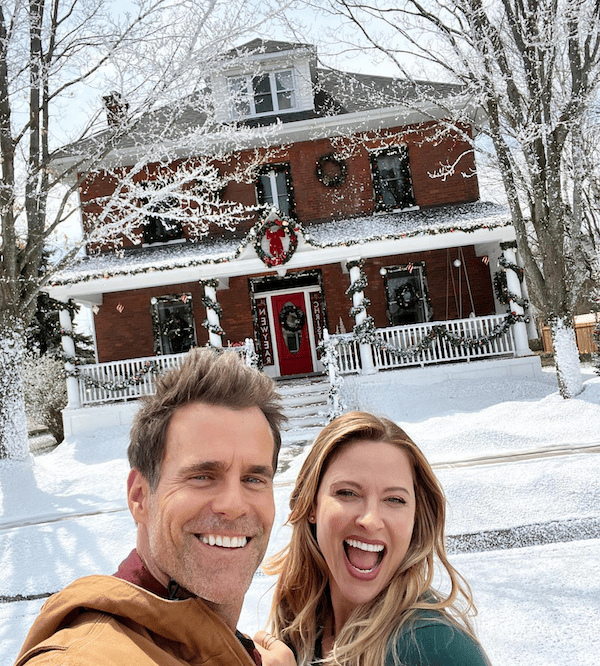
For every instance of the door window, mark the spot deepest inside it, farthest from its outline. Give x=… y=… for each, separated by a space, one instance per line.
x=292 y=320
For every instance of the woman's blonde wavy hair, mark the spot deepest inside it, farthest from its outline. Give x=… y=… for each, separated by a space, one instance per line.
x=301 y=600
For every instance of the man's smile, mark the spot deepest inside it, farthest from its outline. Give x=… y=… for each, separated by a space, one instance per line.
x=223 y=541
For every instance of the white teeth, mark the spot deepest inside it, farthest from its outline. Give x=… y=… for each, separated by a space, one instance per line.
x=373 y=548
x=224 y=541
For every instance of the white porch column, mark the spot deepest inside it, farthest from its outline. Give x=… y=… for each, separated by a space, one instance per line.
x=366 y=355
x=514 y=287
x=68 y=345
x=532 y=331
x=212 y=311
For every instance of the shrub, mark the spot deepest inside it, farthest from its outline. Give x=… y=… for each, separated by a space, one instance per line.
x=45 y=392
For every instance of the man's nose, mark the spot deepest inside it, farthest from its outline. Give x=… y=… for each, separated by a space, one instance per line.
x=230 y=502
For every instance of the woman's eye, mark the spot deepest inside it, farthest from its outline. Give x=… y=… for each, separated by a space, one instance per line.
x=396 y=500
x=345 y=493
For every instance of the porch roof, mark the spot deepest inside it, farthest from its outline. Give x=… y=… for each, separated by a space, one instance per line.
x=326 y=242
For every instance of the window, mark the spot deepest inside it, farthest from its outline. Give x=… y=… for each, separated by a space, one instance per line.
x=173 y=321
x=274 y=189
x=161 y=221
x=267 y=93
x=391 y=179
x=406 y=294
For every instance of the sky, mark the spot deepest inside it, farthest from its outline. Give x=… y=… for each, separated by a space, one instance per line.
x=63 y=514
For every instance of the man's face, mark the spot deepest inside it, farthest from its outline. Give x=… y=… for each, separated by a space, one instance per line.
x=207 y=524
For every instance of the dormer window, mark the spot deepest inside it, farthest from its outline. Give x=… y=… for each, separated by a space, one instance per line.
x=271 y=92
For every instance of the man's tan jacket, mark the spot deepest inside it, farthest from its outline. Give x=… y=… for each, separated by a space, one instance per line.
x=106 y=621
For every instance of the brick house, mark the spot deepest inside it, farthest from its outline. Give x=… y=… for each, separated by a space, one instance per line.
x=343 y=195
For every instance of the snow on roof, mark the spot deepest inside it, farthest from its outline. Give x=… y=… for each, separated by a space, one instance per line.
x=336 y=233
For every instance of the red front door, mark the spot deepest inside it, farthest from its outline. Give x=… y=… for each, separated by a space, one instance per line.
x=291 y=333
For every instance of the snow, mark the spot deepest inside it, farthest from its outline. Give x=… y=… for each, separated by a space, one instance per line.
x=401 y=224
x=63 y=514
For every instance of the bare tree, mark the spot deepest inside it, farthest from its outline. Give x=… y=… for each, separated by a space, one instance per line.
x=152 y=56
x=533 y=66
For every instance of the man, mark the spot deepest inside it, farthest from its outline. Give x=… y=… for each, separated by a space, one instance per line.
x=203 y=452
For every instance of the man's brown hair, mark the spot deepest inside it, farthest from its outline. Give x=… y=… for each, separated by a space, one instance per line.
x=213 y=378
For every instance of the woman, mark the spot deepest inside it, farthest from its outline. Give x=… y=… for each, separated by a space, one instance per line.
x=355 y=582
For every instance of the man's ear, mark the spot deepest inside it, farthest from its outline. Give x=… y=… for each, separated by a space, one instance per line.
x=138 y=492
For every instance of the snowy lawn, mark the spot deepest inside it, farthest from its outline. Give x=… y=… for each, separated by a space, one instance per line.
x=537 y=605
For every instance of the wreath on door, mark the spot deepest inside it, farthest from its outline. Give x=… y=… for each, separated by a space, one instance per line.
x=406 y=296
x=292 y=318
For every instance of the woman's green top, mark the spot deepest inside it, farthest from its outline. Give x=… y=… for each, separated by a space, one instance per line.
x=432 y=641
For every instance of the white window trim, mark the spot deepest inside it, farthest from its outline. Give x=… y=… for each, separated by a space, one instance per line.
x=273 y=90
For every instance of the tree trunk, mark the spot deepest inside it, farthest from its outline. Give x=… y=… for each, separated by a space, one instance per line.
x=13 y=422
x=566 y=356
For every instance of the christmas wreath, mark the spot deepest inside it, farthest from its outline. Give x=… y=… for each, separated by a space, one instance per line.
x=274 y=231
x=334 y=173
x=406 y=296
x=292 y=318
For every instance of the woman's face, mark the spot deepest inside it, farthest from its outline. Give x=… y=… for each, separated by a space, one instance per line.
x=364 y=514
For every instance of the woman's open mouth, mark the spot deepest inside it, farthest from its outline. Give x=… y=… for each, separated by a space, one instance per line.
x=364 y=557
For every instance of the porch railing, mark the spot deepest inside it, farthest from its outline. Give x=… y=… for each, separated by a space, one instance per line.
x=98 y=382
x=131 y=379
x=406 y=337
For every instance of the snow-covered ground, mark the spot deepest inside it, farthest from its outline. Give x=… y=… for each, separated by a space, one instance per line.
x=63 y=514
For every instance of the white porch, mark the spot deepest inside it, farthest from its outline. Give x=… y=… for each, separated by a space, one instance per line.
x=105 y=394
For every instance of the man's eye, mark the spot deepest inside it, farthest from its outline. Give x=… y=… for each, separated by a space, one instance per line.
x=255 y=480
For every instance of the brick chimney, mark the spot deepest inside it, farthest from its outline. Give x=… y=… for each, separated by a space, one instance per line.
x=116 y=108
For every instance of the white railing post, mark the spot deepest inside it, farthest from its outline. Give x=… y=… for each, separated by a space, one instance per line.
x=513 y=285
x=329 y=360
x=213 y=323
x=250 y=355
x=366 y=354
x=68 y=345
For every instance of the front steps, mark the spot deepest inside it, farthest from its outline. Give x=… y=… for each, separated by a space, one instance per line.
x=305 y=404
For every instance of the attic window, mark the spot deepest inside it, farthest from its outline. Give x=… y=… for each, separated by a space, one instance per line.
x=271 y=92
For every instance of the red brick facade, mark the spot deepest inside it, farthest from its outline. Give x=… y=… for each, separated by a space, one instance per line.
x=315 y=202
x=126 y=332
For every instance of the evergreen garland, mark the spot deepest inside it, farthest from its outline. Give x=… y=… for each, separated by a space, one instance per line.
x=213 y=305
x=505 y=263
x=92 y=382
x=503 y=294
x=366 y=333
x=252 y=237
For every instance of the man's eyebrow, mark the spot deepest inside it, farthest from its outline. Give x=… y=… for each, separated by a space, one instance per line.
x=261 y=470
x=205 y=466
x=220 y=466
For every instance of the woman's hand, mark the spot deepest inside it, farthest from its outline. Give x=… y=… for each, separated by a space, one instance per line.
x=273 y=651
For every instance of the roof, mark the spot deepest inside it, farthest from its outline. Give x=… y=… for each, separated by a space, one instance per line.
x=335 y=93
x=345 y=232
